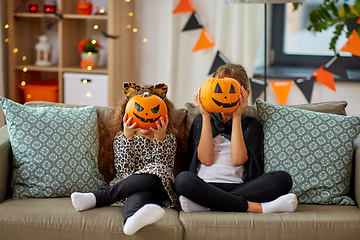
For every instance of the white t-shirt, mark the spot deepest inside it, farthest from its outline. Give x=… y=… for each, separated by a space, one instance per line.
x=222 y=170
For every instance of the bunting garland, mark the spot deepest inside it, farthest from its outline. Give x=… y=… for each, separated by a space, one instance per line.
x=323 y=75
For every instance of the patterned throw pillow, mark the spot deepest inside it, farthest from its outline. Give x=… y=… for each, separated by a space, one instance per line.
x=316 y=149
x=55 y=150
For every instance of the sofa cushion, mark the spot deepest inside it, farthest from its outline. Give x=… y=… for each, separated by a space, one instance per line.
x=316 y=149
x=55 y=150
x=308 y=222
x=56 y=218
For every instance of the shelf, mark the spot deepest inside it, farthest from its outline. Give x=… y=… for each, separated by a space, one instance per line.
x=85 y=17
x=80 y=70
x=34 y=15
x=37 y=68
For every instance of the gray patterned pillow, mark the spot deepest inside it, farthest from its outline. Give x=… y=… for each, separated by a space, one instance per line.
x=316 y=149
x=55 y=149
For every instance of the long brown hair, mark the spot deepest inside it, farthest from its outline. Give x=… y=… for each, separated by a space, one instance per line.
x=235 y=71
x=114 y=125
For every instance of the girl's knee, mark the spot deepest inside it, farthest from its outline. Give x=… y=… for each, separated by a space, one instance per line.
x=182 y=180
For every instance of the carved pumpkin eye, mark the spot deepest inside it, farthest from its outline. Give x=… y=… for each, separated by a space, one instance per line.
x=155 y=109
x=218 y=89
x=232 y=89
x=138 y=107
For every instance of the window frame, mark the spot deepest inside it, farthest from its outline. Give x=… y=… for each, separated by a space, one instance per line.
x=282 y=59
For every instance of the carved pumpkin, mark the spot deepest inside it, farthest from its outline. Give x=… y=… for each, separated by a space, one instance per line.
x=84 y=8
x=146 y=109
x=220 y=94
x=87 y=64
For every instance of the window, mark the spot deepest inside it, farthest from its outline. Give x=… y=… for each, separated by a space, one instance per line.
x=294 y=45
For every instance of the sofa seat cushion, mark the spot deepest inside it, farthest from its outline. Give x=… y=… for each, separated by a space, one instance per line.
x=55 y=218
x=308 y=222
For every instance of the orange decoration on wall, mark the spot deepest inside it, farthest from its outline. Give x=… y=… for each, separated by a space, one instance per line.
x=353 y=44
x=282 y=90
x=184 y=6
x=325 y=77
x=204 y=41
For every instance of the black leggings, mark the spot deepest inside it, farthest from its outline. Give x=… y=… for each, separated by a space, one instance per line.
x=232 y=197
x=138 y=189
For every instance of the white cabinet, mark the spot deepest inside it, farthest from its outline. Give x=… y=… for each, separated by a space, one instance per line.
x=86 y=89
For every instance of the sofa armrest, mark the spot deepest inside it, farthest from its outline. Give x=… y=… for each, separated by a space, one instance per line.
x=357 y=171
x=5 y=159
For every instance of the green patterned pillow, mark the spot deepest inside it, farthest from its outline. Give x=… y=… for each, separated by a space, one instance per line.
x=316 y=149
x=55 y=149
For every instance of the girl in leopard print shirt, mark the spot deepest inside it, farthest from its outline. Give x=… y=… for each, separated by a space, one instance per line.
x=144 y=161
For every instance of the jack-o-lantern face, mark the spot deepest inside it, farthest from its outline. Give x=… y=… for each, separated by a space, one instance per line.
x=220 y=95
x=146 y=110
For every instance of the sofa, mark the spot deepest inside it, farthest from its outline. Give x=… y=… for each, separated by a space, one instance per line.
x=55 y=217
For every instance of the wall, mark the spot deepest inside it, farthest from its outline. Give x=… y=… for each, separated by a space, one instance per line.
x=2 y=57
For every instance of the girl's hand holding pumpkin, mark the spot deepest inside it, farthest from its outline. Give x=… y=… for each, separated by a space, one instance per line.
x=160 y=131
x=243 y=103
x=129 y=129
x=199 y=105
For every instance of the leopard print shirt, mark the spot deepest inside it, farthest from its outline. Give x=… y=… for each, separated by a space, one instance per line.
x=143 y=155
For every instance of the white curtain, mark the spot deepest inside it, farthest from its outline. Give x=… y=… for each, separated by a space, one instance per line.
x=167 y=55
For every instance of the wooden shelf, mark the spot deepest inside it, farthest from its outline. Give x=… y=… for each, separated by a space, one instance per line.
x=26 y=27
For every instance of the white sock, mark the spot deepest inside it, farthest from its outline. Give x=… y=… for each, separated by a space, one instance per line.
x=146 y=215
x=83 y=201
x=285 y=203
x=189 y=206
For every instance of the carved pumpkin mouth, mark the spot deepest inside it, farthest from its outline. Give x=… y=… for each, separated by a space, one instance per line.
x=150 y=120
x=225 y=105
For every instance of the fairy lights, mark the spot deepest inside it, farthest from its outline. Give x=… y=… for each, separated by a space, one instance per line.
x=135 y=30
x=23 y=83
x=145 y=40
x=131 y=14
x=15 y=50
x=25 y=69
x=96 y=26
x=7 y=26
x=6 y=40
x=24 y=58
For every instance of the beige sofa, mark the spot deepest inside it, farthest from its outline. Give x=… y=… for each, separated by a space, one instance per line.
x=55 y=218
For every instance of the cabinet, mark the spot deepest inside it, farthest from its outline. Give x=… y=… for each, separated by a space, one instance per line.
x=67 y=27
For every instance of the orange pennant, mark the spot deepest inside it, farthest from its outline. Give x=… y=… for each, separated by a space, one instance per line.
x=353 y=44
x=325 y=77
x=184 y=6
x=282 y=90
x=358 y=21
x=204 y=41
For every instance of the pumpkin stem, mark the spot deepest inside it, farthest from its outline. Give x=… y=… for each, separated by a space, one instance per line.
x=222 y=72
x=146 y=94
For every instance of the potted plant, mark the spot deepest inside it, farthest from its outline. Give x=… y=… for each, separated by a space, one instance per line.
x=89 y=50
x=333 y=13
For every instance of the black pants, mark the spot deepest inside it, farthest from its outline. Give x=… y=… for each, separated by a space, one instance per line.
x=232 y=197
x=138 y=189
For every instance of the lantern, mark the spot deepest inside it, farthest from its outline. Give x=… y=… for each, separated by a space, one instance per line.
x=146 y=109
x=43 y=51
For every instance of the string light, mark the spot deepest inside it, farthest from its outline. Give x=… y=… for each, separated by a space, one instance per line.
x=84 y=81
x=7 y=26
x=93 y=41
x=25 y=69
x=145 y=40
x=135 y=30
x=28 y=96
x=23 y=83
x=88 y=94
x=24 y=58
x=127 y=0
x=102 y=11
x=89 y=68
x=131 y=14
x=89 y=53
x=96 y=27
x=6 y=40
x=16 y=50
x=128 y=26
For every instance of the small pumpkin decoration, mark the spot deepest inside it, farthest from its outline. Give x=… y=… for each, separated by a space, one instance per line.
x=146 y=109
x=220 y=94
x=84 y=8
x=87 y=64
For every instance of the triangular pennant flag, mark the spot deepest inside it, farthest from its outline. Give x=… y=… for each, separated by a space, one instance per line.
x=306 y=86
x=324 y=77
x=220 y=60
x=193 y=23
x=282 y=90
x=353 y=44
x=352 y=24
x=336 y=66
x=204 y=41
x=184 y=6
x=358 y=21
x=257 y=87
